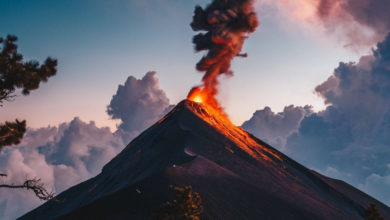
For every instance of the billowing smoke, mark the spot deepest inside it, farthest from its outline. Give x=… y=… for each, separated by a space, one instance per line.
x=357 y=22
x=226 y=24
x=274 y=128
x=138 y=104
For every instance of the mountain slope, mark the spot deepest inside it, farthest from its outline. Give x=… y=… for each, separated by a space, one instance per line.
x=237 y=176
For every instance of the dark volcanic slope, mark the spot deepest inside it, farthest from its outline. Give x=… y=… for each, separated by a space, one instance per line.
x=237 y=176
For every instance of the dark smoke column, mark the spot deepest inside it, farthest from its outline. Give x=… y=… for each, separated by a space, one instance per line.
x=226 y=24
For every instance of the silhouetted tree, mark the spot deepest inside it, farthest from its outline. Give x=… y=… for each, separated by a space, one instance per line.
x=373 y=213
x=186 y=206
x=18 y=74
x=11 y=132
x=25 y=75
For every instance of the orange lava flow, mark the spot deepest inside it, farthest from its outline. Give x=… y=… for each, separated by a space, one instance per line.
x=204 y=96
x=221 y=122
x=197 y=95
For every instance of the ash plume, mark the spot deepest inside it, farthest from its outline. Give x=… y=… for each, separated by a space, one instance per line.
x=226 y=24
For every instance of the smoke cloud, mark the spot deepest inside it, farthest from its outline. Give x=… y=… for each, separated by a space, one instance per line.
x=274 y=128
x=138 y=104
x=226 y=24
x=360 y=22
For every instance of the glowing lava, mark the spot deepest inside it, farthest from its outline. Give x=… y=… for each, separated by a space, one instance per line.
x=221 y=122
x=198 y=95
x=198 y=99
x=203 y=96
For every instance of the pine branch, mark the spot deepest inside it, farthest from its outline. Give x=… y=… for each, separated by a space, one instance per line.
x=11 y=132
x=32 y=184
x=15 y=73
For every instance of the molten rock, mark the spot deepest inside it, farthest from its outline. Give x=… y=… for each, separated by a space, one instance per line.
x=237 y=176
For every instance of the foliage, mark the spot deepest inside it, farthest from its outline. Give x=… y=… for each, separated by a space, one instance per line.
x=18 y=74
x=11 y=132
x=186 y=206
x=25 y=75
x=15 y=73
x=373 y=213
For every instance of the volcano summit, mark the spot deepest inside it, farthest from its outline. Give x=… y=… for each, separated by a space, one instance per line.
x=237 y=175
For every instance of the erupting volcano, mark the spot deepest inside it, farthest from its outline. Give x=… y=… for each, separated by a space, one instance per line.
x=227 y=23
x=237 y=175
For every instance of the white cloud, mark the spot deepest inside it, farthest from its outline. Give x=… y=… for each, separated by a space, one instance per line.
x=138 y=104
x=60 y=156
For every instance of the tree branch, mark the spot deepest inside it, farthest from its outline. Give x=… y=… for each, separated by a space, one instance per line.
x=33 y=184
x=11 y=132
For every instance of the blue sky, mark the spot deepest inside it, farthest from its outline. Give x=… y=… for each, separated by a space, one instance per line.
x=99 y=44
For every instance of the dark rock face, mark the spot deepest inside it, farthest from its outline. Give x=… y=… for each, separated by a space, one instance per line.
x=237 y=176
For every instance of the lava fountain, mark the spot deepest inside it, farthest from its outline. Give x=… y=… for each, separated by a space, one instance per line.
x=225 y=25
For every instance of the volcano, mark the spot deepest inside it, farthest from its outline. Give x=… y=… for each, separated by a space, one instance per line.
x=237 y=175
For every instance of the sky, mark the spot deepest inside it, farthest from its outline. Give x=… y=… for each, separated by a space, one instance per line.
x=99 y=44
x=315 y=85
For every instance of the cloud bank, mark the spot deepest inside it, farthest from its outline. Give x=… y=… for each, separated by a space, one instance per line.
x=61 y=156
x=274 y=128
x=72 y=152
x=350 y=138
